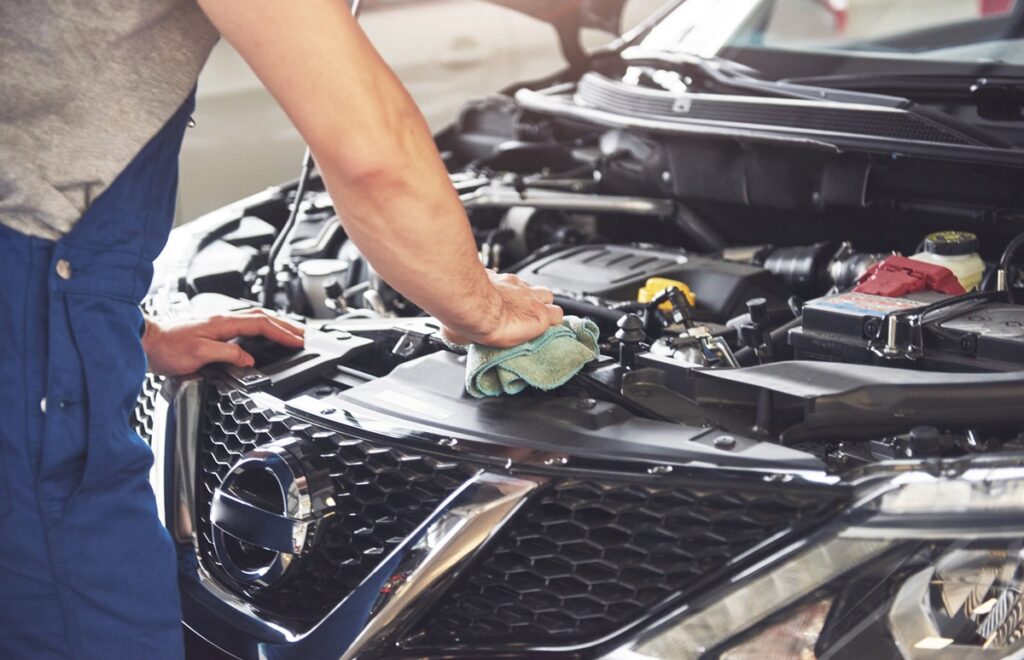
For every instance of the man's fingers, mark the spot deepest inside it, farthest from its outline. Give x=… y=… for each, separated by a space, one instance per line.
x=555 y=314
x=287 y=326
x=295 y=328
x=229 y=327
x=453 y=337
x=218 y=351
x=543 y=294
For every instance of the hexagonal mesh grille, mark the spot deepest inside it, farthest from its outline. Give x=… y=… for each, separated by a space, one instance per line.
x=584 y=558
x=142 y=416
x=589 y=557
x=382 y=493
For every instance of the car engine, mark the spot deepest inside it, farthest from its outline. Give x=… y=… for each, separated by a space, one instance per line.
x=776 y=322
x=684 y=293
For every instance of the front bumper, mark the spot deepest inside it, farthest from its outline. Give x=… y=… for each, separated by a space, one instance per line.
x=430 y=545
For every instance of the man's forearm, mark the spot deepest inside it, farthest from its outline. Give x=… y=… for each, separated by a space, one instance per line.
x=380 y=164
x=373 y=148
x=409 y=223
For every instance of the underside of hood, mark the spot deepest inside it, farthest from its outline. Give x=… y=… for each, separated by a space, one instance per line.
x=572 y=15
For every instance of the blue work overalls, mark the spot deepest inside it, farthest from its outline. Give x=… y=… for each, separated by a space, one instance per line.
x=86 y=568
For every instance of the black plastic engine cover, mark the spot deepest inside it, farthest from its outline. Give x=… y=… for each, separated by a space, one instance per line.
x=617 y=272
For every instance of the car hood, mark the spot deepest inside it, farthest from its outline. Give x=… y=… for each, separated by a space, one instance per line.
x=572 y=15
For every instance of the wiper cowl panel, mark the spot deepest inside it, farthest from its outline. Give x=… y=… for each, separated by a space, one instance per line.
x=738 y=76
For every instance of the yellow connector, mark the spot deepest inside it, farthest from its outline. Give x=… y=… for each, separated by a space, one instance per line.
x=656 y=285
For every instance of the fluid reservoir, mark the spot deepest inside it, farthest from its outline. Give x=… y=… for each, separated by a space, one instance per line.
x=314 y=275
x=957 y=251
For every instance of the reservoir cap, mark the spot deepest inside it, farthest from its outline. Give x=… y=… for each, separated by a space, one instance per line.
x=951 y=243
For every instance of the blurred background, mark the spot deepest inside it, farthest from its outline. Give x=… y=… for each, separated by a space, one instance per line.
x=445 y=51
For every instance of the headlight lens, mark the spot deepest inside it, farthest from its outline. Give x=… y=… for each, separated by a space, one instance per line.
x=792 y=638
x=968 y=601
x=925 y=566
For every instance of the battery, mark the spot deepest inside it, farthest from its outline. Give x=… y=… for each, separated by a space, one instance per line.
x=979 y=337
x=840 y=328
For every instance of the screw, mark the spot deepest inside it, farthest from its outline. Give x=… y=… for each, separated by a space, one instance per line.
x=586 y=404
x=969 y=344
x=891 y=347
x=725 y=442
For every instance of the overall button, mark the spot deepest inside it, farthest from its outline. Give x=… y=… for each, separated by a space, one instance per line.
x=42 y=405
x=64 y=269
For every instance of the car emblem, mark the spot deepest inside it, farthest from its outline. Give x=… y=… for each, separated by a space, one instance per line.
x=266 y=511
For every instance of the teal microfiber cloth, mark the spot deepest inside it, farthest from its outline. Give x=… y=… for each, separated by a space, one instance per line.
x=546 y=362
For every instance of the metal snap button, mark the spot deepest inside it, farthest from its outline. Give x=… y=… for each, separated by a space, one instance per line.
x=42 y=405
x=64 y=269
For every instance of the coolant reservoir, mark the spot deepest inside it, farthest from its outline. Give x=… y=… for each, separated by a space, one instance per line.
x=957 y=251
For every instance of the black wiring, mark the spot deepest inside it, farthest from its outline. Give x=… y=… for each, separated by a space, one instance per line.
x=1006 y=264
x=270 y=283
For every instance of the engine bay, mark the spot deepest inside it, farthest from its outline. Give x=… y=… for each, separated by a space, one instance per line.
x=886 y=329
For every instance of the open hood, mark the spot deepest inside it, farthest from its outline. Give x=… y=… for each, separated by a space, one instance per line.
x=569 y=17
x=572 y=15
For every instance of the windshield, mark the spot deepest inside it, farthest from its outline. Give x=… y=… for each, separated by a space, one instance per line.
x=981 y=31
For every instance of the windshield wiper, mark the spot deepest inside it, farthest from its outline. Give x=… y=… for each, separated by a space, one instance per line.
x=997 y=98
x=734 y=75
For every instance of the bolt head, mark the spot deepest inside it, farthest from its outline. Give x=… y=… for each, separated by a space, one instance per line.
x=725 y=442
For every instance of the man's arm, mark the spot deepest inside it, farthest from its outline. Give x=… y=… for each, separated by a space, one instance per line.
x=379 y=162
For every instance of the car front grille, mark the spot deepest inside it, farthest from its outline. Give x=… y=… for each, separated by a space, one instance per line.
x=592 y=555
x=585 y=556
x=142 y=417
x=382 y=495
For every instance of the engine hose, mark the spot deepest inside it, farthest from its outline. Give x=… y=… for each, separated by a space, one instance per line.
x=270 y=283
x=746 y=356
x=604 y=317
x=1006 y=261
x=697 y=230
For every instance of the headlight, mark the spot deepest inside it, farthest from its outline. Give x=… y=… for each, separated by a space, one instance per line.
x=925 y=566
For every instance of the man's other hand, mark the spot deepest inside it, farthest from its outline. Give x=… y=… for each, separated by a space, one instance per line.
x=517 y=312
x=182 y=348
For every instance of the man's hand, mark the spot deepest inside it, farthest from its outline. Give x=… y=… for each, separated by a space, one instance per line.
x=182 y=348
x=518 y=312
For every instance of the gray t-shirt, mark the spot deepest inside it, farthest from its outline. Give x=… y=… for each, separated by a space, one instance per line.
x=83 y=87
